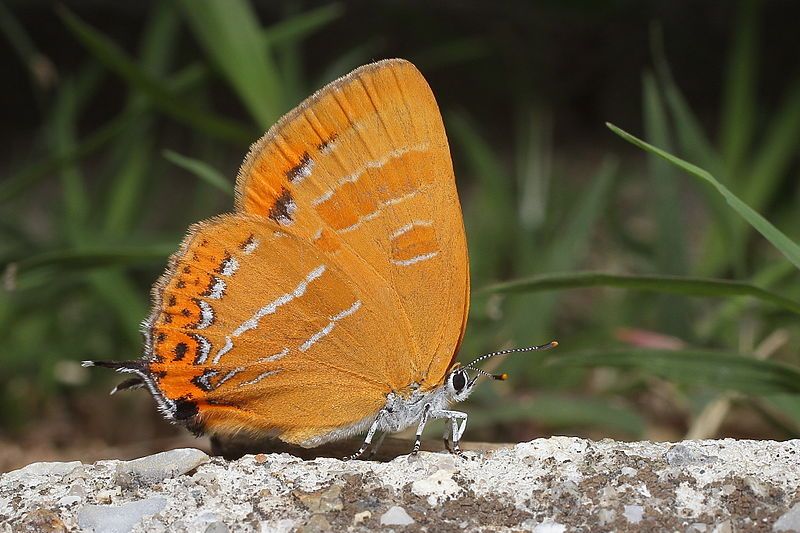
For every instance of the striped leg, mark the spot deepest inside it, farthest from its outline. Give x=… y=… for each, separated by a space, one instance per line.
x=368 y=438
x=377 y=445
x=420 y=427
x=458 y=423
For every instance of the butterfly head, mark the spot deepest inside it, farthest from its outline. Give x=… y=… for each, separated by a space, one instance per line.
x=460 y=383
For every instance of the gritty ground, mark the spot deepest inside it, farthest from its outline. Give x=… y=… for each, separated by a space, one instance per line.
x=547 y=485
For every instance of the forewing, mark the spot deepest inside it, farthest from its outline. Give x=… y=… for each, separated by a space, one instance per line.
x=364 y=166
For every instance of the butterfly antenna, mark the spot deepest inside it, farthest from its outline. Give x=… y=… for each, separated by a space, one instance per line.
x=502 y=377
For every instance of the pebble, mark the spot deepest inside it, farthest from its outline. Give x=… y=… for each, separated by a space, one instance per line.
x=41 y=521
x=634 y=513
x=160 y=466
x=396 y=516
x=789 y=521
x=29 y=474
x=118 y=518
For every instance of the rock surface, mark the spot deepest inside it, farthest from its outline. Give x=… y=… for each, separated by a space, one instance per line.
x=548 y=485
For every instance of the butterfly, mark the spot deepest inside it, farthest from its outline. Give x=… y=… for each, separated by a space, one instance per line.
x=333 y=300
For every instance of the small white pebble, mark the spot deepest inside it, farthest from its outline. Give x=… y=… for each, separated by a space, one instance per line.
x=396 y=516
x=361 y=517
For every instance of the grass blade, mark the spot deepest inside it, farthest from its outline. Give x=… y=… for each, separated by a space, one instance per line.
x=563 y=412
x=663 y=284
x=773 y=158
x=739 y=100
x=301 y=25
x=30 y=176
x=670 y=244
x=720 y=370
x=113 y=58
x=784 y=244
x=202 y=170
x=230 y=34
x=94 y=257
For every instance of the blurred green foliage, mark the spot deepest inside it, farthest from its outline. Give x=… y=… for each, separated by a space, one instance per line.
x=688 y=320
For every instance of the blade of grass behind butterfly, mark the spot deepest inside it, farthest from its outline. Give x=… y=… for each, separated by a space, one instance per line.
x=301 y=25
x=564 y=253
x=773 y=158
x=114 y=288
x=670 y=243
x=739 y=92
x=533 y=147
x=132 y=154
x=719 y=370
x=116 y=60
x=231 y=35
x=766 y=278
x=662 y=284
x=201 y=169
x=693 y=142
x=488 y=217
x=558 y=412
x=786 y=246
x=29 y=176
x=40 y=70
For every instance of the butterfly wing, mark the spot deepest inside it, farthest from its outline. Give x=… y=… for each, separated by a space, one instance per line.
x=257 y=330
x=364 y=166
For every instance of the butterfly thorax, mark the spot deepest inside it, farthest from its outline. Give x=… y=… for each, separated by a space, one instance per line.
x=402 y=411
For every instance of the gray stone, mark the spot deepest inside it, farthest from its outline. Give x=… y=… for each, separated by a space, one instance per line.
x=789 y=521
x=118 y=518
x=38 y=470
x=558 y=484
x=160 y=466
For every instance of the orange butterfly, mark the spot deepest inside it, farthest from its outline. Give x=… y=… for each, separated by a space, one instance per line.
x=334 y=299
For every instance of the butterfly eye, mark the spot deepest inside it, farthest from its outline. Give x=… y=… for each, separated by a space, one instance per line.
x=459 y=381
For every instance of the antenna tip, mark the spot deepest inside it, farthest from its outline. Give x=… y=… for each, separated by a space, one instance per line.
x=553 y=344
x=500 y=377
x=86 y=364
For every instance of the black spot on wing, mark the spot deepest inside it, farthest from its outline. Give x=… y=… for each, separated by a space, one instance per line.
x=283 y=208
x=301 y=170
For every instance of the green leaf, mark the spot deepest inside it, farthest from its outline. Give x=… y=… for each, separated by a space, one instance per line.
x=663 y=284
x=202 y=170
x=111 y=56
x=783 y=243
x=739 y=99
x=774 y=156
x=720 y=370
x=230 y=33
x=31 y=175
x=562 y=412
x=94 y=257
x=491 y=234
x=301 y=25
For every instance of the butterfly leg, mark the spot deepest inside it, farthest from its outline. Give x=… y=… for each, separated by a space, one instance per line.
x=422 y=421
x=368 y=438
x=458 y=423
x=377 y=445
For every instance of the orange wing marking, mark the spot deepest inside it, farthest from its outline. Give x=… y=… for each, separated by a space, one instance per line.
x=408 y=227
x=268 y=309
x=327 y=329
x=378 y=163
x=378 y=211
